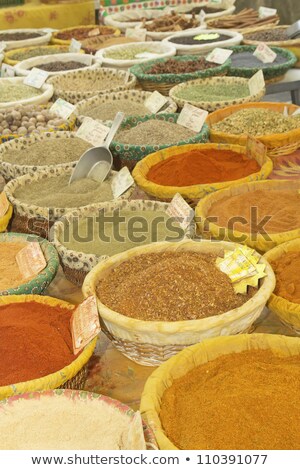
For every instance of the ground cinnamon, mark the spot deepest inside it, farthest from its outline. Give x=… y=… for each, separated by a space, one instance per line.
x=287 y=271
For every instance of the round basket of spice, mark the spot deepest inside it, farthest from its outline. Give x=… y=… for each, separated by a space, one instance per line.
x=42 y=197
x=274 y=124
x=64 y=36
x=141 y=135
x=87 y=236
x=285 y=300
x=15 y=56
x=13 y=92
x=215 y=92
x=14 y=280
x=197 y=170
x=170 y=23
x=227 y=383
x=158 y=299
x=260 y=214
x=163 y=74
x=82 y=84
x=5 y=219
x=16 y=38
x=36 y=346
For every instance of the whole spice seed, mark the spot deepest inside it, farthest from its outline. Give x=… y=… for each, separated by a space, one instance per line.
x=198 y=39
x=107 y=111
x=60 y=65
x=131 y=51
x=287 y=272
x=169 y=287
x=30 y=52
x=10 y=275
x=154 y=132
x=247 y=59
x=16 y=92
x=257 y=385
x=19 y=36
x=182 y=66
x=92 y=82
x=214 y=92
x=268 y=35
x=83 y=33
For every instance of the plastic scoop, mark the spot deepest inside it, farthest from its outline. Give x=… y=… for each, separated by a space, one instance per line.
x=96 y=162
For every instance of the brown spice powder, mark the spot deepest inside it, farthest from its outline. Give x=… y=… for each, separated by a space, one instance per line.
x=287 y=271
x=10 y=275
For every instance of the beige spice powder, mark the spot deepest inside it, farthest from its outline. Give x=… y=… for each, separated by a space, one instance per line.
x=10 y=276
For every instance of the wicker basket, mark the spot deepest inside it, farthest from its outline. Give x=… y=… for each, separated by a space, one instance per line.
x=166 y=193
x=42 y=40
x=150 y=342
x=277 y=144
x=45 y=95
x=214 y=105
x=66 y=42
x=131 y=18
x=257 y=241
x=195 y=356
x=10 y=56
x=59 y=378
x=129 y=155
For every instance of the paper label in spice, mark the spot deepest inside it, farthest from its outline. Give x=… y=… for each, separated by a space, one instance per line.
x=92 y=131
x=62 y=108
x=202 y=16
x=137 y=33
x=285 y=111
x=84 y=324
x=263 y=12
x=4 y=204
x=7 y=71
x=155 y=102
x=181 y=211
x=219 y=55
x=36 y=78
x=2 y=46
x=94 y=32
x=255 y=148
x=31 y=260
x=264 y=53
x=296 y=112
x=75 y=45
x=192 y=118
x=121 y=182
x=256 y=82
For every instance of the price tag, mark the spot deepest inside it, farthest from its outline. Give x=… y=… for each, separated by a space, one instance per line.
x=264 y=53
x=84 y=324
x=180 y=209
x=121 y=182
x=36 y=78
x=94 y=32
x=192 y=118
x=31 y=260
x=295 y=113
x=263 y=12
x=2 y=46
x=255 y=148
x=62 y=108
x=4 y=204
x=155 y=102
x=75 y=46
x=137 y=33
x=286 y=111
x=7 y=71
x=256 y=83
x=218 y=55
x=202 y=16
x=92 y=131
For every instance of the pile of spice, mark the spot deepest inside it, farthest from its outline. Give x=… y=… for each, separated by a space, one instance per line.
x=202 y=167
x=171 y=22
x=47 y=152
x=35 y=340
x=83 y=33
x=19 y=36
x=106 y=111
x=287 y=272
x=180 y=66
x=16 y=92
x=10 y=275
x=257 y=121
x=212 y=92
x=132 y=51
x=257 y=385
x=279 y=209
x=247 y=59
x=59 y=66
x=199 y=39
x=91 y=82
x=244 y=19
x=92 y=45
x=154 y=132
x=169 y=286
x=268 y=35
x=28 y=53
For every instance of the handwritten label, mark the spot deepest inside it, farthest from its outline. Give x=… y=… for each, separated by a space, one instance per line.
x=92 y=131
x=136 y=33
x=255 y=148
x=7 y=71
x=181 y=211
x=264 y=53
x=218 y=55
x=75 y=45
x=31 y=260
x=121 y=182
x=263 y=12
x=62 y=108
x=4 y=204
x=36 y=78
x=192 y=118
x=155 y=102
x=84 y=324
x=256 y=83
x=202 y=16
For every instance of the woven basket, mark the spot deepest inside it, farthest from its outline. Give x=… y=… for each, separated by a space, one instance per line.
x=257 y=241
x=45 y=95
x=287 y=311
x=150 y=342
x=277 y=144
x=41 y=40
x=187 y=360
x=136 y=96
x=164 y=82
x=131 y=18
x=9 y=57
x=214 y=105
x=5 y=219
x=93 y=45
x=196 y=191
x=66 y=42
x=59 y=378
x=41 y=282
x=63 y=84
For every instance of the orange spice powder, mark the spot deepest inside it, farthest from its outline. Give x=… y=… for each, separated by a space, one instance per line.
x=287 y=271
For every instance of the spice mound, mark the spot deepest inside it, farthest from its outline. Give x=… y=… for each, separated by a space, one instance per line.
x=10 y=275
x=94 y=81
x=83 y=33
x=171 y=22
x=107 y=110
x=132 y=52
x=59 y=66
x=169 y=287
x=259 y=211
x=35 y=340
x=287 y=272
x=202 y=167
x=16 y=92
x=180 y=66
x=28 y=53
x=19 y=36
x=214 y=92
x=247 y=59
x=243 y=401
x=268 y=35
x=154 y=132
x=199 y=39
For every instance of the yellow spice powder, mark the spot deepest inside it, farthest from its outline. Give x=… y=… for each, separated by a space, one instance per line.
x=10 y=275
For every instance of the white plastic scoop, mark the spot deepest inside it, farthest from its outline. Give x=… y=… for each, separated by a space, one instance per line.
x=96 y=162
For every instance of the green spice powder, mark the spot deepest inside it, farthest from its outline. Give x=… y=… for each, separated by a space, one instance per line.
x=211 y=92
x=16 y=92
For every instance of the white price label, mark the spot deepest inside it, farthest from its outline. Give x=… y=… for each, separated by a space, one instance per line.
x=202 y=16
x=136 y=33
x=85 y=324
x=31 y=260
x=263 y=12
x=264 y=53
x=4 y=204
x=155 y=102
x=7 y=71
x=180 y=209
x=92 y=131
x=256 y=83
x=75 y=45
x=62 y=108
x=218 y=55
x=36 y=78
x=94 y=32
x=2 y=46
x=121 y=182
x=286 y=111
x=192 y=118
